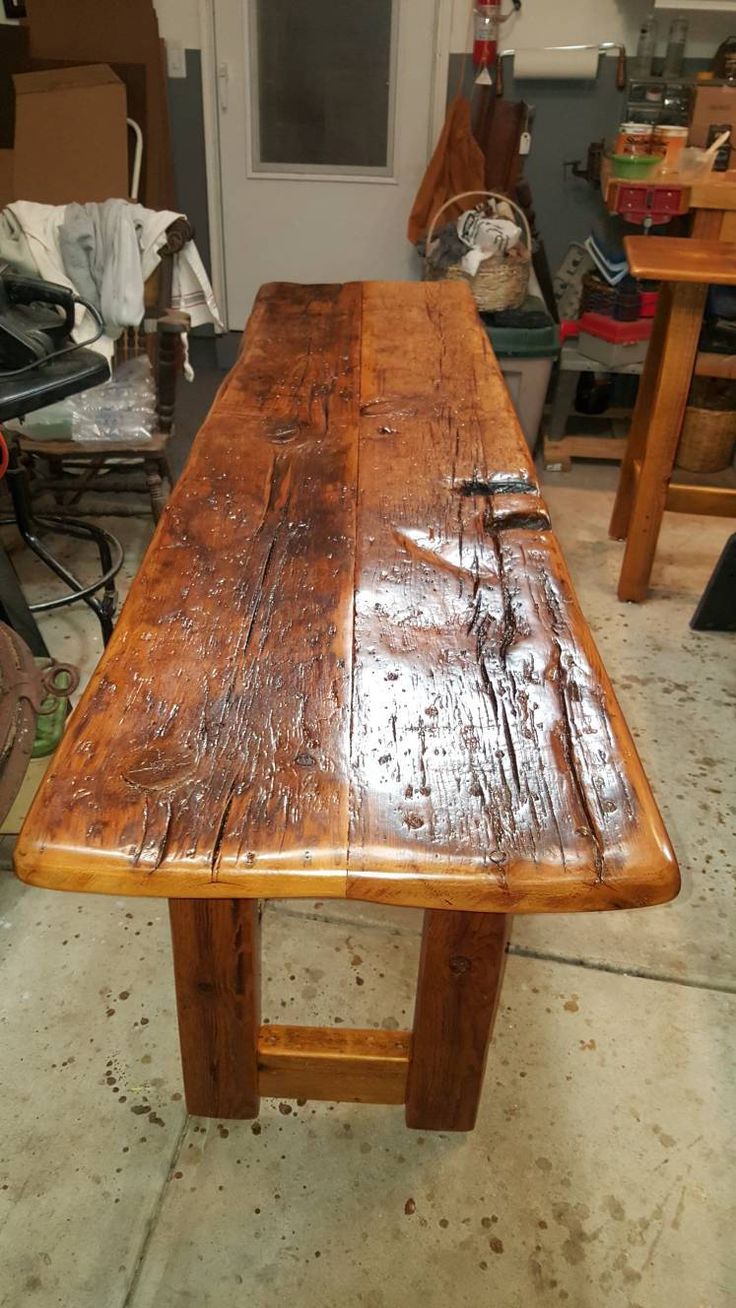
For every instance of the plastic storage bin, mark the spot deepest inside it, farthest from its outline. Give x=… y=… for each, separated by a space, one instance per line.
x=526 y=355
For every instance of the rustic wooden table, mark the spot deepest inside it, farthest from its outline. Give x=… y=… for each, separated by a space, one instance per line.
x=352 y=665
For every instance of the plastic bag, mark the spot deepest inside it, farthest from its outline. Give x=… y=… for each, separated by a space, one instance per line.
x=123 y=409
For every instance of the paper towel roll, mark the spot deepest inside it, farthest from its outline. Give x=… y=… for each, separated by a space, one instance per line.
x=555 y=64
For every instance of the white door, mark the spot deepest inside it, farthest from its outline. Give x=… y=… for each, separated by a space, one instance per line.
x=327 y=110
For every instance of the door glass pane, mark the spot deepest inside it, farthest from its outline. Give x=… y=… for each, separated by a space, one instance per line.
x=322 y=72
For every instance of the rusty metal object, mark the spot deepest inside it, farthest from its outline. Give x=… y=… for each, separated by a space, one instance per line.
x=59 y=681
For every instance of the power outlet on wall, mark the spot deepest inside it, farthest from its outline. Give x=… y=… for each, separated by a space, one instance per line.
x=176 y=59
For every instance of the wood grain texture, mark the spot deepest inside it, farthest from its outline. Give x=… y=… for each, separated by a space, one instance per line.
x=461 y=969
x=216 y=950
x=352 y=663
x=341 y=1064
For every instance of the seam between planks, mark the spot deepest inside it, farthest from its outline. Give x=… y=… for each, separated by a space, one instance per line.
x=358 y=424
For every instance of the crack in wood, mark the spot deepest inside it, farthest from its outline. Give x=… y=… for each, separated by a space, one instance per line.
x=497 y=484
x=220 y=832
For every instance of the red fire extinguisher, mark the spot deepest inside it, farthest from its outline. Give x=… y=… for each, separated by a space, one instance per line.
x=487 y=19
x=485 y=33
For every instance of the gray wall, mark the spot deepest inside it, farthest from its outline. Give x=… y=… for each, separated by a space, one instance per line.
x=188 y=150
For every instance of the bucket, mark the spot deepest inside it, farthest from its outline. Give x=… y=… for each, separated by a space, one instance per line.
x=707 y=440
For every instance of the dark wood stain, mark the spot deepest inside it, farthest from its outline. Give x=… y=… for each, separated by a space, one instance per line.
x=461 y=970
x=216 y=949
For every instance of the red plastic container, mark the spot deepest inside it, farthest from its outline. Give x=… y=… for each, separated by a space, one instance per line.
x=618 y=333
x=648 y=306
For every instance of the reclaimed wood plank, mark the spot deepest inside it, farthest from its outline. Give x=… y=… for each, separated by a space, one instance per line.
x=212 y=744
x=491 y=765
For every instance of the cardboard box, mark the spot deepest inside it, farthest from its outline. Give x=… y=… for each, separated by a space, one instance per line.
x=118 y=32
x=14 y=58
x=713 y=104
x=71 y=137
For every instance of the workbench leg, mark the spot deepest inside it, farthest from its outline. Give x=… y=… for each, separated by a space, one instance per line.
x=665 y=424
x=707 y=225
x=460 y=974
x=217 y=972
x=641 y=418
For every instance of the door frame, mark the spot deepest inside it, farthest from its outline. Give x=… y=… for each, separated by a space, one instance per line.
x=207 y=18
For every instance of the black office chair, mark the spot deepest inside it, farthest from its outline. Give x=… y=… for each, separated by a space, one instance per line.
x=39 y=365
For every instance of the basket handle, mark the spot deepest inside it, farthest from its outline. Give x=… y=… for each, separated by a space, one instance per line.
x=490 y=195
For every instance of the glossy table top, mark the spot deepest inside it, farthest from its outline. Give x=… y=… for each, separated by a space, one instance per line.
x=352 y=664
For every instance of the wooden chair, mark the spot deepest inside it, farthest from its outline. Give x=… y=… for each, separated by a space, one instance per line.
x=686 y=268
x=69 y=469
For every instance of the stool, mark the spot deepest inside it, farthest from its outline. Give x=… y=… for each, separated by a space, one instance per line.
x=61 y=370
x=686 y=268
x=32 y=526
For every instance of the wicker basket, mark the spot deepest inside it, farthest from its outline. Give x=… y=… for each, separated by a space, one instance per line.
x=611 y=301
x=502 y=280
x=707 y=440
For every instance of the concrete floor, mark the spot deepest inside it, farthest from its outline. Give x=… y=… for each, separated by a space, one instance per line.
x=601 y=1170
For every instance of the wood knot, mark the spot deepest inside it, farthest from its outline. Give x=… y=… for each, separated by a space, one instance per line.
x=459 y=964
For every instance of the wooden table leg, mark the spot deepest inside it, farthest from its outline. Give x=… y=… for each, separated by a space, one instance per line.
x=707 y=225
x=668 y=402
x=636 y=442
x=460 y=975
x=217 y=972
